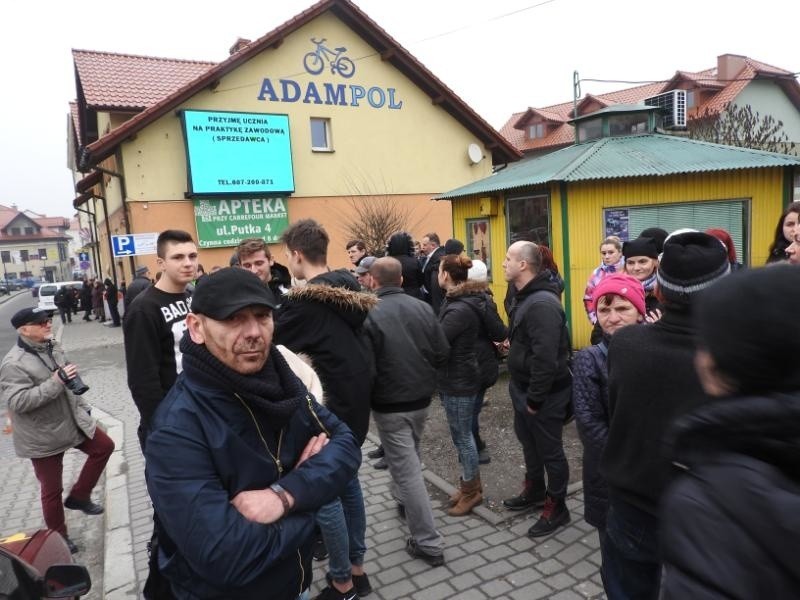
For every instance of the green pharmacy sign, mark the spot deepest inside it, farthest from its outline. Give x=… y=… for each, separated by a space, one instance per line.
x=227 y=222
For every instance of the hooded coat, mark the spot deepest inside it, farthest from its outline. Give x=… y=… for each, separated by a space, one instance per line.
x=730 y=519
x=401 y=247
x=324 y=320
x=540 y=347
x=470 y=322
x=48 y=418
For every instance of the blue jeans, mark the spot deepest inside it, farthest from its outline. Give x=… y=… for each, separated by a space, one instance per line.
x=631 y=569
x=343 y=523
x=477 y=412
x=460 y=410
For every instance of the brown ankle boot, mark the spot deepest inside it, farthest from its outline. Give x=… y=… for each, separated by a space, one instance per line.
x=456 y=496
x=471 y=496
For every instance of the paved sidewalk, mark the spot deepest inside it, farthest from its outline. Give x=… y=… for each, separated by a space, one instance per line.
x=484 y=560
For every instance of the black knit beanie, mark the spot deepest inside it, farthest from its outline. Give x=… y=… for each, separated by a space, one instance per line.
x=658 y=235
x=641 y=246
x=690 y=263
x=748 y=323
x=453 y=246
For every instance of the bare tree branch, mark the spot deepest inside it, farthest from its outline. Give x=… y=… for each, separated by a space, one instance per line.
x=742 y=127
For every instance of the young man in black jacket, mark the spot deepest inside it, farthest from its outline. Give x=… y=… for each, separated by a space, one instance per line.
x=651 y=381
x=323 y=320
x=540 y=385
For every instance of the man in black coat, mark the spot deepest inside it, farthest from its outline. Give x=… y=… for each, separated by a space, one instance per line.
x=540 y=385
x=432 y=293
x=741 y=450
x=139 y=284
x=112 y=300
x=323 y=320
x=651 y=381
x=409 y=346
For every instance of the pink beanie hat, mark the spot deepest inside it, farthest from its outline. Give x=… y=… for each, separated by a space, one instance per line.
x=622 y=285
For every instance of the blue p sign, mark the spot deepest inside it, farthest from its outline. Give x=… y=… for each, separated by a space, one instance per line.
x=123 y=245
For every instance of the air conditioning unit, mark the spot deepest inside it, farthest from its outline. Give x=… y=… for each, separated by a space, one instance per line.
x=673 y=104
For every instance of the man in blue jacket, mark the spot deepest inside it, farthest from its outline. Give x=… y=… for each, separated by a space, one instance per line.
x=240 y=454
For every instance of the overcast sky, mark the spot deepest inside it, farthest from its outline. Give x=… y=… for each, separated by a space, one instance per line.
x=500 y=57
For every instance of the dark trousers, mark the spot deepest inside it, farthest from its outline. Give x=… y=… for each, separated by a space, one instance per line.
x=540 y=435
x=112 y=308
x=49 y=471
x=631 y=569
x=65 y=314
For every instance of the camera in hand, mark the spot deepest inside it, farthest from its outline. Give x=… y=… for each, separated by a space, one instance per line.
x=74 y=385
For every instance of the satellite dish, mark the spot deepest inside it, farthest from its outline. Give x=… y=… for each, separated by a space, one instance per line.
x=475 y=153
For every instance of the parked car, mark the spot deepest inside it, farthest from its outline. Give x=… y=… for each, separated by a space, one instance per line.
x=47 y=293
x=35 y=288
x=3 y=290
x=40 y=565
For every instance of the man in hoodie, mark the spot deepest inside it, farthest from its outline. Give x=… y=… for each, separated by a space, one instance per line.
x=540 y=385
x=323 y=320
x=255 y=256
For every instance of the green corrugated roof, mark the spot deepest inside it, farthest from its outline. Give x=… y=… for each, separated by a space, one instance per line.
x=643 y=155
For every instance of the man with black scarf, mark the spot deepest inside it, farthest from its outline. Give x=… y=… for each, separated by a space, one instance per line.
x=240 y=455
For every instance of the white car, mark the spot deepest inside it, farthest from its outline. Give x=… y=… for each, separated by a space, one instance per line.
x=47 y=293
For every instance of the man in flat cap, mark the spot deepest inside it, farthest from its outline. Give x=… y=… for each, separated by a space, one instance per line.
x=139 y=284
x=50 y=416
x=240 y=455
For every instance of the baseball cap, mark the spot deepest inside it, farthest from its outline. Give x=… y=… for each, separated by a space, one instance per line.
x=218 y=295
x=365 y=264
x=30 y=315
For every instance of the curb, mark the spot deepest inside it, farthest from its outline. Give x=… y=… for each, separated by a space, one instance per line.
x=487 y=514
x=119 y=571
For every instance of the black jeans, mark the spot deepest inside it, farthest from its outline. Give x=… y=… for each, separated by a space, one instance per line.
x=541 y=437
x=631 y=568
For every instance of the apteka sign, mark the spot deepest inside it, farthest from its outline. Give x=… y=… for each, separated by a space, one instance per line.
x=324 y=58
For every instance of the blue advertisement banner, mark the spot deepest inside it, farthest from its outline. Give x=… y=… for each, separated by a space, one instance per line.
x=237 y=153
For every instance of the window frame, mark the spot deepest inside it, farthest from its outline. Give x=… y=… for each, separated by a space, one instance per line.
x=326 y=122
x=544 y=195
x=487 y=235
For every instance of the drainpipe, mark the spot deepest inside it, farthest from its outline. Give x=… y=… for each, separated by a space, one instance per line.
x=110 y=243
x=124 y=193
x=93 y=237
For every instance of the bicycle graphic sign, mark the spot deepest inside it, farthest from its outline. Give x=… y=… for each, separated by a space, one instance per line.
x=314 y=62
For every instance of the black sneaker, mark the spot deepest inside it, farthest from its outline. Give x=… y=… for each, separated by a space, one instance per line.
x=377 y=453
x=87 y=506
x=73 y=547
x=361 y=583
x=380 y=464
x=331 y=593
x=318 y=550
x=555 y=514
x=401 y=511
x=527 y=498
x=434 y=560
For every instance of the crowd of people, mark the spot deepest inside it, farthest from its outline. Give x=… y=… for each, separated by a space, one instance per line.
x=255 y=385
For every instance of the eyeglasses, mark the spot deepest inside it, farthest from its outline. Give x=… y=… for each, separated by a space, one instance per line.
x=43 y=323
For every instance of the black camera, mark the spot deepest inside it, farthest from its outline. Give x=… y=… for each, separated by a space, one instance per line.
x=74 y=385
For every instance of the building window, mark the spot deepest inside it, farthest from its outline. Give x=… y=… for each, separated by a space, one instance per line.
x=42 y=253
x=321 y=135
x=537 y=131
x=479 y=243
x=29 y=231
x=529 y=219
x=730 y=215
x=5 y=255
x=23 y=255
x=15 y=231
x=590 y=130
x=689 y=98
x=627 y=124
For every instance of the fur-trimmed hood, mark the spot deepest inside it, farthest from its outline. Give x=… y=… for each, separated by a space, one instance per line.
x=468 y=288
x=338 y=291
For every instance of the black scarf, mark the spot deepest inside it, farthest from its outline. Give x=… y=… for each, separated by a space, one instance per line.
x=275 y=391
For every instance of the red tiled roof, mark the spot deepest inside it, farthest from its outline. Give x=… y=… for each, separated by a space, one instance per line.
x=708 y=78
x=391 y=51
x=130 y=82
x=76 y=121
x=7 y=215
x=53 y=222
